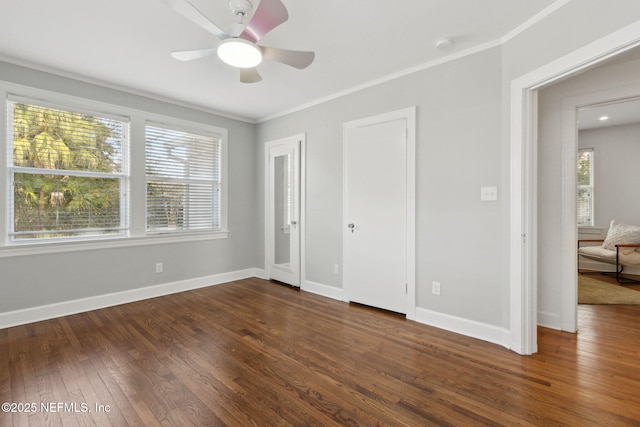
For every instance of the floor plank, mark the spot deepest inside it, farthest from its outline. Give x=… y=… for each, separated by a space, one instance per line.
x=256 y=353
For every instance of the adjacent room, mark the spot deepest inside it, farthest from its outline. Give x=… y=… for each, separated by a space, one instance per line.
x=608 y=139
x=274 y=212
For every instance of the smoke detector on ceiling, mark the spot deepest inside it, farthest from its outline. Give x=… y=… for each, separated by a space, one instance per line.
x=444 y=44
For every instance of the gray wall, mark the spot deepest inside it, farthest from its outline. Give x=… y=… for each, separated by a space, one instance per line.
x=35 y=280
x=458 y=151
x=571 y=27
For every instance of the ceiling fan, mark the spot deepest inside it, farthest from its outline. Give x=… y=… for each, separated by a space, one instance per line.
x=239 y=45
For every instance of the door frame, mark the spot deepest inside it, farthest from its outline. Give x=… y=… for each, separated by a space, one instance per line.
x=409 y=115
x=523 y=232
x=268 y=251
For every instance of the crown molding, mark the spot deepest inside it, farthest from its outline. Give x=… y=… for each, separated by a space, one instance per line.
x=489 y=45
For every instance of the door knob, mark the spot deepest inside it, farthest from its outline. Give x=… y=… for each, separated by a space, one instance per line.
x=351 y=226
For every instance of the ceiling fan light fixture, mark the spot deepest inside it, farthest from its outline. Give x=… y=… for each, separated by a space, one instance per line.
x=239 y=53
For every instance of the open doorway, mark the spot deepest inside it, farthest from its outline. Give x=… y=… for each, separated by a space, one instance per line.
x=608 y=203
x=563 y=109
x=526 y=288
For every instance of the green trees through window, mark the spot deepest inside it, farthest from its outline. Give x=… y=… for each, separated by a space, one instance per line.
x=71 y=175
x=67 y=173
x=585 y=188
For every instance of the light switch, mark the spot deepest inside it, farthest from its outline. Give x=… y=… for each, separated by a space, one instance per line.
x=488 y=193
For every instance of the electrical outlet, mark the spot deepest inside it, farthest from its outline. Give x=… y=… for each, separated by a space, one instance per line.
x=488 y=194
x=158 y=267
x=435 y=288
x=336 y=269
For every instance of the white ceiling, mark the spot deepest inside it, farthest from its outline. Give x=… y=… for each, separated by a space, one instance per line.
x=618 y=113
x=127 y=44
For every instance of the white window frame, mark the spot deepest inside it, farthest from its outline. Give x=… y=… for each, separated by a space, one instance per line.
x=209 y=131
x=137 y=182
x=122 y=176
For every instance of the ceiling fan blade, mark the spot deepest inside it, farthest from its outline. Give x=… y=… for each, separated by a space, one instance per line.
x=249 y=75
x=189 y=55
x=189 y=11
x=268 y=15
x=294 y=58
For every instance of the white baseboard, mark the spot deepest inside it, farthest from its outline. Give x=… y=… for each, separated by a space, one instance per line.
x=260 y=273
x=458 y=325
x=323 y=290
x=470 y=328
x=549 y=320
x=50 y=311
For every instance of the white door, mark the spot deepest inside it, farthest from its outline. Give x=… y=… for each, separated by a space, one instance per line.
x=375 y=253
x=282 y=211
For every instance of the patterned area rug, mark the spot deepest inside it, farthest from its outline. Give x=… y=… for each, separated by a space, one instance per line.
x=594 y=291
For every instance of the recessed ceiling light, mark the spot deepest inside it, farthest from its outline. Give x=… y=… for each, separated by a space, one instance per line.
x=603 y=118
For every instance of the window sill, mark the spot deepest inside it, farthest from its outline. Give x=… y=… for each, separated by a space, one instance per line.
x=35 y=248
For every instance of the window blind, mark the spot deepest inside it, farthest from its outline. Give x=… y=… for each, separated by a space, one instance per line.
x=585 y=202
x=183 y=180
x=68 y=172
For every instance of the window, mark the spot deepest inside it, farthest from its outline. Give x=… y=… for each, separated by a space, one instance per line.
x=183 y=180
x=102 y=175
x=68 y=174
x=585 y=188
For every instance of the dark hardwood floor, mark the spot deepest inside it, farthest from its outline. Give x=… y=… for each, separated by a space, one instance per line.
x=257 y=353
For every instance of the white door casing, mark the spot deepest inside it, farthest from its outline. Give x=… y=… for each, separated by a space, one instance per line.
x=523 y=178
x=379 y=211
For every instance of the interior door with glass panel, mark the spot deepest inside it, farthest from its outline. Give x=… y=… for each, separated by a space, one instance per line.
x=282 y=194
